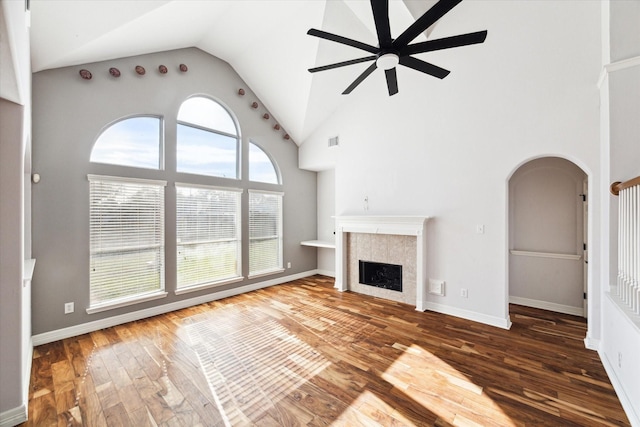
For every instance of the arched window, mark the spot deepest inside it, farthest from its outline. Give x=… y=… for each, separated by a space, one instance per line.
x=207 y=140
x=135 y=141
x=261 y=167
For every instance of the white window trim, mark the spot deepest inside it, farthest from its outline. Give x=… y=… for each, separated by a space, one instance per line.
x=208 y=187
x=278 y=269
x=266 y=273
x=112 y=305
x=201 y=287
x=228 y=280
x=275 y=193
x=126 y=179
x=137 y=299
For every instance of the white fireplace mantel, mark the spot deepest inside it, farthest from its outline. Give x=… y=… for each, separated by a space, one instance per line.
x=388 y=224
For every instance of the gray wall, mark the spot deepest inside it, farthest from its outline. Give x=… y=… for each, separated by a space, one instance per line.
x=70 y=112
x=15 y=296
x=12 y=293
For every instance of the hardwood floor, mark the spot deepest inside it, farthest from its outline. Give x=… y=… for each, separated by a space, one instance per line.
x=303 y=354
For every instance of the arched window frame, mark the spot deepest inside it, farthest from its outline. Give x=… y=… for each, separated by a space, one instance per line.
x=237 y=136
x=274 y=164
x=241 y=183
x=161 y=143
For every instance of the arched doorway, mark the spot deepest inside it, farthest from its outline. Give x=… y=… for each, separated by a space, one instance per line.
x=547 y=236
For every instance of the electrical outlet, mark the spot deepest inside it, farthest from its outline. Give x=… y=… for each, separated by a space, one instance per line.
x=68 y=308
x=464 y=293
x=289 y=265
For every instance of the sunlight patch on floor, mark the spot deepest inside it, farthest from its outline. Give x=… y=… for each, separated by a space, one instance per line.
x=251 y=363
x=442 y=390
x=370 y=410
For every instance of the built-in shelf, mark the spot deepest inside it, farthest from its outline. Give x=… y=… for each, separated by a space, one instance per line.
x=319 y=244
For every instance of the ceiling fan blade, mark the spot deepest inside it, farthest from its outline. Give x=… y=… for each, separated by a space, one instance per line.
x=342 y=64
x=342 y=40
x=392 y=81
x=424 y=67
x=380 y=10
x=445 y=43
x=360 y=78
x=425 y=21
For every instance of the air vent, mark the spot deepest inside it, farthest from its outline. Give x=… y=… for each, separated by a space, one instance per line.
x=333 y=141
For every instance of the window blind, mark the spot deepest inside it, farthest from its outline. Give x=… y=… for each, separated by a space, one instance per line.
x=126 y=238
x=265 y=232
x=208 y=234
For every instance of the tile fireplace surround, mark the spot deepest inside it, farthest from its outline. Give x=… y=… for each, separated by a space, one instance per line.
x=381 y=239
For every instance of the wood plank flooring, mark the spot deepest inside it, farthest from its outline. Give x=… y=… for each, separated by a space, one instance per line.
x=303 y=354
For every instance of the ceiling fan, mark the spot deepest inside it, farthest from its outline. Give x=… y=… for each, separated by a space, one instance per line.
x=391 y=52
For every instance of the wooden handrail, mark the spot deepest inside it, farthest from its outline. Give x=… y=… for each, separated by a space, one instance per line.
x=618 y=186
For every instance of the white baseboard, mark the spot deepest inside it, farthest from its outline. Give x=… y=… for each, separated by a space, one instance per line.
x=469 y=315
x=591 y=343
x=20 y=414
x=544 y=305
x=627 y=404
x=326 y=273
x=88 y=327
x=14 y=416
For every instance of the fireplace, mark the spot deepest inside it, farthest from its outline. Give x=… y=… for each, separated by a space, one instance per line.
x=398 y=240
x=381 y=275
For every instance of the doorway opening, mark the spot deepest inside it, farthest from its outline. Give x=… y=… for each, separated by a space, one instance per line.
x=548 y=251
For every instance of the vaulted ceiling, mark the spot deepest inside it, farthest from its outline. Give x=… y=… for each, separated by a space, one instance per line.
x=265 y=41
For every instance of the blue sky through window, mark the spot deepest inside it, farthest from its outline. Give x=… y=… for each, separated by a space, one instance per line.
x=131 y=142
x=261 y=168
x=206 y=153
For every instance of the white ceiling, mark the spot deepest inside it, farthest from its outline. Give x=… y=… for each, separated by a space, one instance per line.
x=265 y=41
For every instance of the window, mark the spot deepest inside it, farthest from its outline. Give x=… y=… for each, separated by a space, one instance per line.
x=127 y=213
x=136 y=141
x=265 y=232
x=207 y=140
x=126 y=240
x=261 y=167
x=208 y=235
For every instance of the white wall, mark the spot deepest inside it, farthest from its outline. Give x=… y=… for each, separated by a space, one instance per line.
x=620 y=93
x=447 y=148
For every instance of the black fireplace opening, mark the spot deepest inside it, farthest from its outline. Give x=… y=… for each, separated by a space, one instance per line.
x=380 y=275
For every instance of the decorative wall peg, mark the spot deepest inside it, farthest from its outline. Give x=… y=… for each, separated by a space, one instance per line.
x=114 y=72
x=140 y=70
x=183 y=68
x=265 y=116
x=162 y=69
x=85 y=74
x=241 y=92
x=286 y=136
x=254 y=104
x=276 y=126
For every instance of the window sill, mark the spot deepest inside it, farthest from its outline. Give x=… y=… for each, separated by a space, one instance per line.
x=208 y=285
x=266 y=273
x=126 y=302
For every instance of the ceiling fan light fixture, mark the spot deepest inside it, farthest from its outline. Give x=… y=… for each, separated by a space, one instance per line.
x=387 y=61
